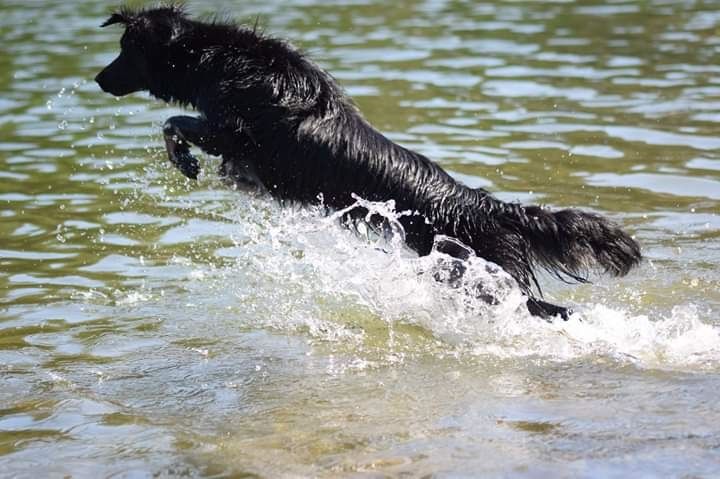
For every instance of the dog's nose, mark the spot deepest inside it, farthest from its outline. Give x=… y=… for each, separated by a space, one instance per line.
x=100 y=80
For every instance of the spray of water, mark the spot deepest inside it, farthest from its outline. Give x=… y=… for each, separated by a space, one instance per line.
x=295 y=269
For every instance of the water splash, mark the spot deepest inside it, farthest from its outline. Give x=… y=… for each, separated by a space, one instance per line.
x=296 y=269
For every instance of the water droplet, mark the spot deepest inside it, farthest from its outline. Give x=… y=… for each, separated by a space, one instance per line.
x=62 y=125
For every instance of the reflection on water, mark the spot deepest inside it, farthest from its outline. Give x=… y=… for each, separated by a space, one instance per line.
x=152 y=326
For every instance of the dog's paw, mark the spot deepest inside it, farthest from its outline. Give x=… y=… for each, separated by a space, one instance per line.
x=185 y=162
x=547 y=310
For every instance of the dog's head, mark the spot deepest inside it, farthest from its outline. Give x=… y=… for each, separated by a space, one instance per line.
x=143 y=47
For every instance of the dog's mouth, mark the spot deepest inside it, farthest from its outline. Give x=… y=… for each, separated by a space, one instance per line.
x=102 y=82
x=113 y=87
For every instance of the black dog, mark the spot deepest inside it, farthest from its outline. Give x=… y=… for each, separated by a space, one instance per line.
x=280 y=121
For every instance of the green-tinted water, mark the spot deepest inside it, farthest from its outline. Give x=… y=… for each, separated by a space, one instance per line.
x=151 y=326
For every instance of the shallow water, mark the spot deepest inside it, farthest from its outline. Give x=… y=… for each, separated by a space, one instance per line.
x=152 y=326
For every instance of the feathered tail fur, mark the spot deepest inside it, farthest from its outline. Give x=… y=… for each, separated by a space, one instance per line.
x=568 y=243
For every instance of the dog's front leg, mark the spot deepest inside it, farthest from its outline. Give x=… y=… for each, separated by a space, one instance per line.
x=179 y=133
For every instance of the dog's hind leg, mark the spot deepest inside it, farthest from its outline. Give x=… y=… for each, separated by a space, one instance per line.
x=547 y=310
x=457 y=269
x=180 y=132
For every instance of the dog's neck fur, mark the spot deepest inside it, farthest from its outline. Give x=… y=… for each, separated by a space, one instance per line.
x=198 y=51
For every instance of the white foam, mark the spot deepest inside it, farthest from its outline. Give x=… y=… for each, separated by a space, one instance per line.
x=293 y=265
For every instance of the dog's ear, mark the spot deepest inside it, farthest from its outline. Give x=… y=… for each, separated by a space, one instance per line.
x=162 y=25
x=117 y=17
x=168 y=22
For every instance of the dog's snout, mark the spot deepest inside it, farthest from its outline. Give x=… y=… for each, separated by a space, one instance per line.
x=99 y=81
x=105 y=81
x=120 y=77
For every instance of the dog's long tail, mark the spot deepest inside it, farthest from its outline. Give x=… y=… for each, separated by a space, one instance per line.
x=568 y=243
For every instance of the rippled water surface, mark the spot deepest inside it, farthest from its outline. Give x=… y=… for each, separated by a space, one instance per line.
x=152 y=326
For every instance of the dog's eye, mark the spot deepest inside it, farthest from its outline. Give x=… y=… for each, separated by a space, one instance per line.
x=129 y=41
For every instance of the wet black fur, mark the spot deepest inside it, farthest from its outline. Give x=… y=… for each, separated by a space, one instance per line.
x=280 y=120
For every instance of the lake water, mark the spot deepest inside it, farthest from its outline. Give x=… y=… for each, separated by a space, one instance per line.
x=156 y=327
